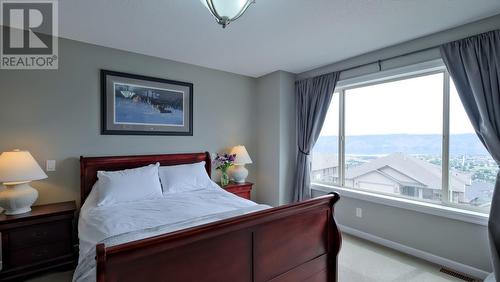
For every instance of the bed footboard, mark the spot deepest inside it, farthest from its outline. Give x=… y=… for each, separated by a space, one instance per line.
x=296 y=242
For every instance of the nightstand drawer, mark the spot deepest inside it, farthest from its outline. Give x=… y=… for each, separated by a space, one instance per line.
x=32 y=255
x=41 y=233
x=243 y=194
x=242 y=190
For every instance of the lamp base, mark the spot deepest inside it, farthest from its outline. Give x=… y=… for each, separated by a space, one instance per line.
x=17 y=198
x=239 y=173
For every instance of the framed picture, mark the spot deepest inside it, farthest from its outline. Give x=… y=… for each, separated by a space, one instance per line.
x=141 y=105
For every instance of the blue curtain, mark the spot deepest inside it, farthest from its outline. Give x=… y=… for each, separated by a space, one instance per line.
x=313 y=97
x=474 y=65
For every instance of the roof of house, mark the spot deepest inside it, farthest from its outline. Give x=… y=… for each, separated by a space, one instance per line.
x=323 y=161
x=410 y=171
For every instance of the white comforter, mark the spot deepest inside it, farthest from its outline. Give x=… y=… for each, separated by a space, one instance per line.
x=126 y=222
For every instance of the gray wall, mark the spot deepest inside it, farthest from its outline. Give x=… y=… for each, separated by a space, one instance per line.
x=288 y=147
x=459 y=241
x=268 y=130
x=422 y=43
x=56 y=114
x=276 y=137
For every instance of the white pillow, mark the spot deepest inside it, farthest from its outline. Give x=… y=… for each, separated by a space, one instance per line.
x=184 y=178
x=128 y=185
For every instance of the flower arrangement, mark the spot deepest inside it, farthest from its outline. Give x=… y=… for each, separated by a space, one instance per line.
x=223 y=163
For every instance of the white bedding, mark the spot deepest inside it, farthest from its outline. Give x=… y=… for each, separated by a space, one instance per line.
x=99 y=223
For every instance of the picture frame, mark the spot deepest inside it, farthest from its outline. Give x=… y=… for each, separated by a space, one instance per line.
x=141 y=105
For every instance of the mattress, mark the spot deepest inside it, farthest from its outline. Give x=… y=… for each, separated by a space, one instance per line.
x=98 y=223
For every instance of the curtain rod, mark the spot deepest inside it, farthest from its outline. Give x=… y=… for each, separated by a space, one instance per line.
x=379 y=62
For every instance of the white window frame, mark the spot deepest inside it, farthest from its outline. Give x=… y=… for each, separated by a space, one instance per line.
x=446 y=208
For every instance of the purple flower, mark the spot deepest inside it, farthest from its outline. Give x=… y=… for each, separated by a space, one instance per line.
x=225 y=161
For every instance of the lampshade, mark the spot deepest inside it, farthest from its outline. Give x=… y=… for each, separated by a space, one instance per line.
x=242 y=156
x=19 y=166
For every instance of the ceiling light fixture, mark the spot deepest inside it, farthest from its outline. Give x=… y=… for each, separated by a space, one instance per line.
x=227 y=11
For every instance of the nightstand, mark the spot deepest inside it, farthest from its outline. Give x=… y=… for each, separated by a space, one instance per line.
x=239 y=189
x=37 y=241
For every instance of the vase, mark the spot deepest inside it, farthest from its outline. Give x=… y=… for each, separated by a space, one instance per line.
x=224 y=178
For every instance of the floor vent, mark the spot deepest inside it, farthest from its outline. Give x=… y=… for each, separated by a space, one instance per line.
x=458 y=275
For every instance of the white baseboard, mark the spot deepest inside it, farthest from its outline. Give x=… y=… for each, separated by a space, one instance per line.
x=460 y=267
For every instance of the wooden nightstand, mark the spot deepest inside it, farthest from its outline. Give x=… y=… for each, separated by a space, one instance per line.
x=239 y=189
x=40 y=240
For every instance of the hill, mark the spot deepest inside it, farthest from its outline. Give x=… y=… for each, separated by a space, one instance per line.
x=429 y=144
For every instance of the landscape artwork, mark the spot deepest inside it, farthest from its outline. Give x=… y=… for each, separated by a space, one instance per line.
x=136 y=104
x=141 y=105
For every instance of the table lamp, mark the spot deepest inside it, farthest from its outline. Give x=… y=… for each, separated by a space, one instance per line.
x=239 y=173
x=17 y=170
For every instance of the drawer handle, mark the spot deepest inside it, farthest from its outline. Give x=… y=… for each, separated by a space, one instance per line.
x=38 y=234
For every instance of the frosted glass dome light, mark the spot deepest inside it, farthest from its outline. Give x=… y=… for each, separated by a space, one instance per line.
x=227 y=11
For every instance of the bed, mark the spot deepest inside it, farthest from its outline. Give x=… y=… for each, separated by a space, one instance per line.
x=206 y=235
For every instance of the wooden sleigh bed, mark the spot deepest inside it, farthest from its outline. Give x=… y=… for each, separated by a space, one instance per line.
x=296 y=242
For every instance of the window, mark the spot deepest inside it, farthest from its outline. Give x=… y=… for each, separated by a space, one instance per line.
x=325 y=165
x=393 y=136
x=404 y=135
x=472 y=170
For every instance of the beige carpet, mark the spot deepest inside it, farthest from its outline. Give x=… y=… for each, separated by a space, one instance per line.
x=363 y=261
x=360 y=261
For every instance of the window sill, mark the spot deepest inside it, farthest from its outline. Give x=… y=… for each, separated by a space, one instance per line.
x=422 y=207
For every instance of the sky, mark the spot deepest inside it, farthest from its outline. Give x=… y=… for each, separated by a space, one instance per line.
x=410 y=106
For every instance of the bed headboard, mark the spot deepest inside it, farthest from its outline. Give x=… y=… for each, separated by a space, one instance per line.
x=90 y=165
